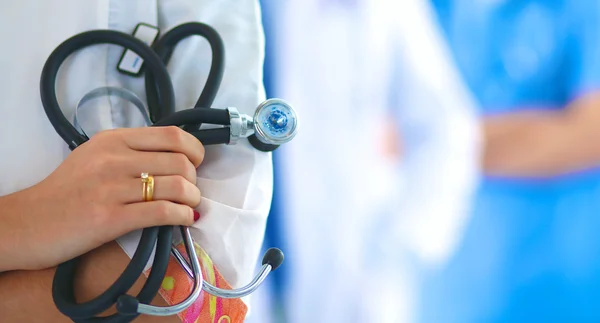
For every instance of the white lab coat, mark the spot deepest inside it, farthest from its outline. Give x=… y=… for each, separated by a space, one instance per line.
x=346 y=207
x=440 y=126
x=236 y=181
x=440 y=166
x=333 y=62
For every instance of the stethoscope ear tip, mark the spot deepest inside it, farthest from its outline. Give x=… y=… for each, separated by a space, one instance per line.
x=127 y=305
x=273 y=257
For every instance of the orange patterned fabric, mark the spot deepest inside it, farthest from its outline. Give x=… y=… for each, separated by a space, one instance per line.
x=177 y=286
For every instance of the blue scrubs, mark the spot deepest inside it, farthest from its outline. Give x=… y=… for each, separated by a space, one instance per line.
x=531 y=251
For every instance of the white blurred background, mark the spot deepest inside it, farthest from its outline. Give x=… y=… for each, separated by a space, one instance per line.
x=363 y=203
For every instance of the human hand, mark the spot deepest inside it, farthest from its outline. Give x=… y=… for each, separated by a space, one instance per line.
x=95 y=196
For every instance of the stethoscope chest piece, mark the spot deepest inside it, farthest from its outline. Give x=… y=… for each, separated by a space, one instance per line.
x=275 y=122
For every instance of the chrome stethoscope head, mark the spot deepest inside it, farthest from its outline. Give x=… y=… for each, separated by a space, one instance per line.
x=275 y=122
x=271 y=260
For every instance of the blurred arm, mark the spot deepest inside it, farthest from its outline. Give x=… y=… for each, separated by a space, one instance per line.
x=27 y=295
x=544 y=143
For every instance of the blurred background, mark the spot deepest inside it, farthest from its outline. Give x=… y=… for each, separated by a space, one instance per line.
x=445 y=169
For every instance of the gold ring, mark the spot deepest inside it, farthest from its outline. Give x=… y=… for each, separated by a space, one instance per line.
x=147 y=187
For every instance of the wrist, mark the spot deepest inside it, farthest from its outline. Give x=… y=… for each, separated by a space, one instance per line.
x=17 y=234
x=9 y=231
x=98 y=270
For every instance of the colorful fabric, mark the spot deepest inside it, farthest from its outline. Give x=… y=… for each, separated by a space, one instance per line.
x=177 y=285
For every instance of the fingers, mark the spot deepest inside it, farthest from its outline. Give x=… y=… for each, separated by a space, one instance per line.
x=166 y=188
x=161 y=164
x=155 y=213
x=164 y=139
x=171 y=155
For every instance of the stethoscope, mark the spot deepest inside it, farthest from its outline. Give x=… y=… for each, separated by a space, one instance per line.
x=274 y=123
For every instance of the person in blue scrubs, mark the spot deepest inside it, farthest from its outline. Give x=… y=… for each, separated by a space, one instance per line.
x=531 y=251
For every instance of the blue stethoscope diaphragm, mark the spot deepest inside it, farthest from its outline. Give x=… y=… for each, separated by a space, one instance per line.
x=275 y=122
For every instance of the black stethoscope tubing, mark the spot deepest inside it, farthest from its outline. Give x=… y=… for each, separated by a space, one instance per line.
x=161 y=105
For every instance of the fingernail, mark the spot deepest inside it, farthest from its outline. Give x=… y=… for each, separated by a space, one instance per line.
x=196 y=215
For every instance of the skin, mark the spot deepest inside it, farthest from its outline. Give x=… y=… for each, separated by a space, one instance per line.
x=542 y=144
x=97 y=271
x=91 y=199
